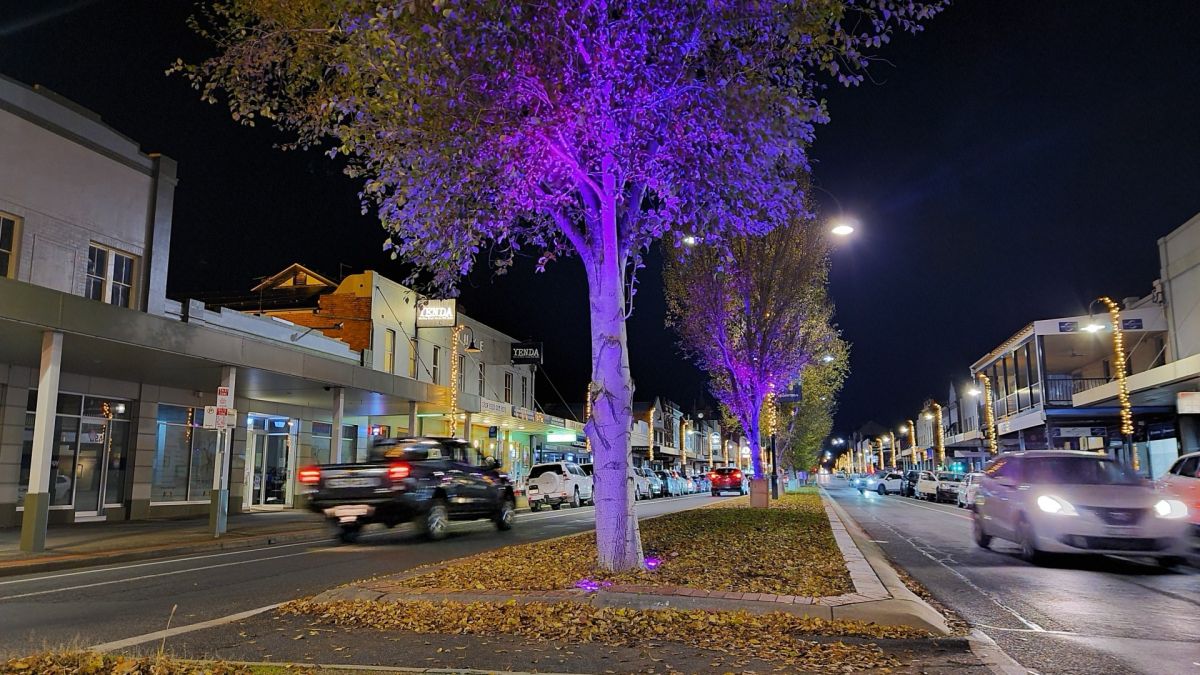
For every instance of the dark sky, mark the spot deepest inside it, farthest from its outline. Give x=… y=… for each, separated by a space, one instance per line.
x=1011 y=163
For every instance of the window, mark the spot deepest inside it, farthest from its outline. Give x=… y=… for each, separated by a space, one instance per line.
x=412 y=358
x=8 y=246
x=109 y=276
x=462 y=370
x=508 y=386
x=389 y=351
x=482 y=381
x=437 y=362
x=524 y=391
x=91 y=448
x=184 y=456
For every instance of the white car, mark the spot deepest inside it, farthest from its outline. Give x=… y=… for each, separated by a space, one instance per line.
x=883 y=483
x=937 y=486
x=558 y=483
x=966 y=493
x=1182 y=481
x=1066 y=501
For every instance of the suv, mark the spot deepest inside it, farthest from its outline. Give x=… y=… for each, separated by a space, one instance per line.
x=429 y=480
x=883 y=483
x=1066 y=501
x=727 y=479
x=557 y=483
x=909 y=487
x=938 y=485
x=1182 y=481
x=656 y=484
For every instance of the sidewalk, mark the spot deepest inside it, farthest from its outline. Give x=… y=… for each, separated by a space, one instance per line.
x=100 y=543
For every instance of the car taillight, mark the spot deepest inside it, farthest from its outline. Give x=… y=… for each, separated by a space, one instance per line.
x=310 y=475
x=712 y=476
x=737 y=474
x=398 y=471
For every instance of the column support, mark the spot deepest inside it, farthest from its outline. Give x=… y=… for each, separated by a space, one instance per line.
x=37 y=496
x=335 y=439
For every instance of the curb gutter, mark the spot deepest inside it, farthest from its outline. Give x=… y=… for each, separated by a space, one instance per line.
x=302 y=667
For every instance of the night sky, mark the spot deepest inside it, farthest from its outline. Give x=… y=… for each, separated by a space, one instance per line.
x=1011 y=163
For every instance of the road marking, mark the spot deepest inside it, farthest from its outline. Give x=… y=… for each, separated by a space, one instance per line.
x=180 y=630
x=930 y=508
x=150 y=576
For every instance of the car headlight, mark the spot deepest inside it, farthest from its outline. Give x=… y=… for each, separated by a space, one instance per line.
x=1051 y=504
x=1170 y=508
x=870 y=481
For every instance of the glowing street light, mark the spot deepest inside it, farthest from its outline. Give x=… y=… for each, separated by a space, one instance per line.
x=842 y=228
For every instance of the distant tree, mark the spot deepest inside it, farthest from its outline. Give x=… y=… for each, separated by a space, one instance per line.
x=805 y=424
x=752 y=314
x=586 y=127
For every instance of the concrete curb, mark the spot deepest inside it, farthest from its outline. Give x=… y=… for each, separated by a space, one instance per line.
x=903 y=606
x=303 y=667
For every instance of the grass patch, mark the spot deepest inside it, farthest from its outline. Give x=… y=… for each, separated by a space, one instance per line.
x=91 y=663
x=788 y=549
x=780 y=637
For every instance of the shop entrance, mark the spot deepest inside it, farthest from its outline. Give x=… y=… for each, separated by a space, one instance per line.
x=270 y=462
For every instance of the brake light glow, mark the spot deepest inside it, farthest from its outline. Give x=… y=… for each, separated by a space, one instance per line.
x=399 y=471
x=712 y=475
x=737 y=474
x=310 y=475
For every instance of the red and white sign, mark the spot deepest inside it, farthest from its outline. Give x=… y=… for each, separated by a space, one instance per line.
x=1188 y=403
x=224 y=400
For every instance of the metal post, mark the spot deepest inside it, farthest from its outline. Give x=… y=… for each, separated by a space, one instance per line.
x=774 y=471
x=218 y=512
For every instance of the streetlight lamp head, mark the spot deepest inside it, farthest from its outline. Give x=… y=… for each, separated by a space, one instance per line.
x=928 y=416
x=842 y=228
x=1094 y=327
x=973 y=391
x=473 y=348
x=904 y=429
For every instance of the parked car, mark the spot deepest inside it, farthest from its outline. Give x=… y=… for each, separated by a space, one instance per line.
x=884 y=483
x=670 y=483
x=1182 y=481
x=558 y=483
x=909 y=487
x=428 y=480
x=858 y=481
x=728 y=479
x=1064 y=501
x=966 y=493
x=656 y=484
x=641 y=484
x=62 y=490
x=938 y=486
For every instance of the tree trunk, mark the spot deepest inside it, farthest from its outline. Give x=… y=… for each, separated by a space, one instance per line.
x=753 y=439
x=617 y=537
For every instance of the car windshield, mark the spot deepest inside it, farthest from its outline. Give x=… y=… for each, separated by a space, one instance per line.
x=587 y=468
x=951 y=477
x=1077 y=471
x=544 y=469
x=725 y=470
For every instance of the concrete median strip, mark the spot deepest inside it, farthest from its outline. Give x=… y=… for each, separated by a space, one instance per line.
x=879 y=595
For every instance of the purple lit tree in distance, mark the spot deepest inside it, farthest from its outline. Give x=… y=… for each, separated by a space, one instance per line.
x=752 y=314
x=586 y=127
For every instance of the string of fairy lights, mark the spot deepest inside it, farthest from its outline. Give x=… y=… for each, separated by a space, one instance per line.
x=1119 y=358
x=989 y=414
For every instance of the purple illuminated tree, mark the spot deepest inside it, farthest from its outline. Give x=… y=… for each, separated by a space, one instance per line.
x=585 y=127
x=752 y=314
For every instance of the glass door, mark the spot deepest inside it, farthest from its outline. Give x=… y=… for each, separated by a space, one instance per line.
x=90 y=465
x=269 y=463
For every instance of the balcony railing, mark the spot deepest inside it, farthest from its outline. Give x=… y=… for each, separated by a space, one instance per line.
x=1060 y=391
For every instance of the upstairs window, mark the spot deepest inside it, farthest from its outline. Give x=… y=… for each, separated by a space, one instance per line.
x=109 y=276
x=508 y=387
x=437 y=365
x=389 y=351
x=8 y=246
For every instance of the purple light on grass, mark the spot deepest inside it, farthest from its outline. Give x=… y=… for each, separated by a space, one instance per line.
x=652 y=562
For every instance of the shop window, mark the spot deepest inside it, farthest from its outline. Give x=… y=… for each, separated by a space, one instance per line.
x=8 y=246
x=508 y=387
x=389 y=351
x=435 y=373
x=109 y=276
x=524 y=391
x=89 y=455
x=184 y=456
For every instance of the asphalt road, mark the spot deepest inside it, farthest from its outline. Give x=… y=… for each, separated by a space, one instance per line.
x=89 y=606
x=1089 y=615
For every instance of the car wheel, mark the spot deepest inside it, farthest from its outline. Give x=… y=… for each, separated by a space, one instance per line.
x=506 y=514
x=1028 y=542
x=882 y=490
x=556 y=506
x=437 y=520
x=716 y=493
x=535 y=506
x=575 y=501
x=348 y=534
x=1170 y=562
x=982 y=539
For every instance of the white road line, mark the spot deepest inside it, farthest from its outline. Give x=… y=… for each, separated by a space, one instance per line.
x=165 y=561
x=150 y=576
x=930 y=508
x=180 y=630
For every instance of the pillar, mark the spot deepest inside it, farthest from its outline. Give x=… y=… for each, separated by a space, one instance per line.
x=335 y=439
x=37 y=498
x=218 y=511
x=414 y=423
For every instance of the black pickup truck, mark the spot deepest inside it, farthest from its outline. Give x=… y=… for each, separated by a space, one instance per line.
x=431 y=481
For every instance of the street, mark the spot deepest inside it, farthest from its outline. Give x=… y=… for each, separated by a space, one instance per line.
x=1076 y=615
x=90 y=606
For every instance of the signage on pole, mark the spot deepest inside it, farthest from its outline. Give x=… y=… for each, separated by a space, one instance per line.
x=527 y=353
x=437 y=314
x=224 y=400
x=1068 y=326
x=1131 y=324
x=210 y=417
